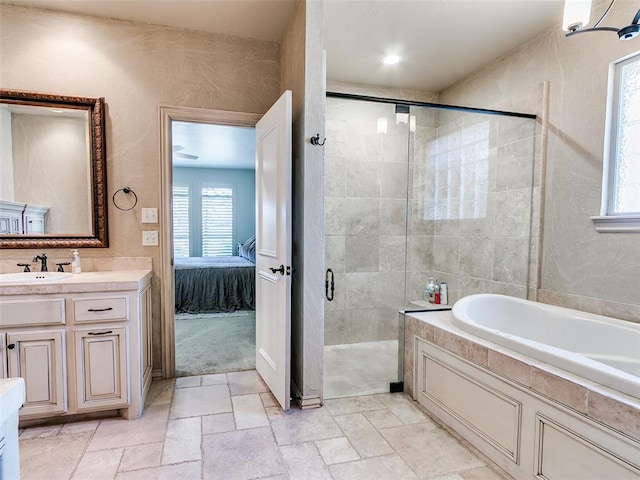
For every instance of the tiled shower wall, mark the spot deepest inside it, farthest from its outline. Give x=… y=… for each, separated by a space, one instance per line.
x=468 y=194
x=471 y=197
x=365 y=220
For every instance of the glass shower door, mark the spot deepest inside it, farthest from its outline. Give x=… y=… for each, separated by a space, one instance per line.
x=365 y=244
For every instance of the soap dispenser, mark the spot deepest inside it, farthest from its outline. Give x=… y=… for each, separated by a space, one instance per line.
x=75 y=262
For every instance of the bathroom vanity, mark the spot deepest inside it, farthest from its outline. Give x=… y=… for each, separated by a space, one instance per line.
x=81 y=342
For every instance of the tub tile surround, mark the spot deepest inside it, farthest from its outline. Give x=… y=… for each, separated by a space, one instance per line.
x=383 y=436
x=614 y=409
x=622 y=311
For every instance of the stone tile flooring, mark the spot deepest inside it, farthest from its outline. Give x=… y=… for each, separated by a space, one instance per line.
x=228 y=426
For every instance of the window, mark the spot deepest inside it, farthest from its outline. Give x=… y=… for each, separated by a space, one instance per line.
x=217 y=221
x=210 y=235
x=621 y=182
x=180 y=220
x=461 y=173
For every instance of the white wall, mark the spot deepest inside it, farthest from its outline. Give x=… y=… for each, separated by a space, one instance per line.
x=564 y=81
x=303 y=73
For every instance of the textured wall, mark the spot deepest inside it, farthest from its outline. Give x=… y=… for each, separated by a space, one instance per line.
x=580 y=267
x=137 y=68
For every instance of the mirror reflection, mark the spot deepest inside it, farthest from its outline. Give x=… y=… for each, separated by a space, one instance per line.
x=44 y=170
x=52 y=184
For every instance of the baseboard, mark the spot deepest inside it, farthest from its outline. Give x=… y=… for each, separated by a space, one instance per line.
x=156 y=373
x=305 y=402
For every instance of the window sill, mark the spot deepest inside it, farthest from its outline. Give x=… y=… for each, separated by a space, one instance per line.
x=617 y=223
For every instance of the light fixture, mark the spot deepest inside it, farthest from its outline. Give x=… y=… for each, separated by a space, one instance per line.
x=576 y=17
x=412 y=123
x=382 y=125
x=391 y=59
x=402 y=114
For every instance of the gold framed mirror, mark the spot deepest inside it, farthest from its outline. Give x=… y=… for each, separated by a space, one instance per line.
x=52 y=171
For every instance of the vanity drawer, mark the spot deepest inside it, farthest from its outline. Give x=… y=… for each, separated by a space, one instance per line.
x=100 y=309
x=24 y=313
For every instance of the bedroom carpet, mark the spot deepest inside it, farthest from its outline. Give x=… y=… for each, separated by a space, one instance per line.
x=215 y=342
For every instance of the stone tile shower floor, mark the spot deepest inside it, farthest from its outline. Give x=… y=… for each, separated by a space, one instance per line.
x=355 y=369
x=227 y=426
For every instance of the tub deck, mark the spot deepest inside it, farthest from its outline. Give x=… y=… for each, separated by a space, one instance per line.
x=607 y=406
x=532 y=419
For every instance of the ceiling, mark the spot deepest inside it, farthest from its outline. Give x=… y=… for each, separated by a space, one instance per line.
x=219 y=146
x=440 y=41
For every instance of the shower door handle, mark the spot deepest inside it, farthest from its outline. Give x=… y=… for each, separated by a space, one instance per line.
x=328 y=294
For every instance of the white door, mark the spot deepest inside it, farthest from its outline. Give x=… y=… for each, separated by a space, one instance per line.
x=273 y=248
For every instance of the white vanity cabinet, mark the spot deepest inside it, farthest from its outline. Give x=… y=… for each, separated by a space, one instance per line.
x=38 y=356
x=81 y=344
x=101 y=367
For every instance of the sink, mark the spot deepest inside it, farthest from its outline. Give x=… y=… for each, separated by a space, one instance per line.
x=32 y=277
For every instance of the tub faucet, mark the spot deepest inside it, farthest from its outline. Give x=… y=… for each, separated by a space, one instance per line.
x=43 y=261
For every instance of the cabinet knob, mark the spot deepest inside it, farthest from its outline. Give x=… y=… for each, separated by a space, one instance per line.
x=11 y=346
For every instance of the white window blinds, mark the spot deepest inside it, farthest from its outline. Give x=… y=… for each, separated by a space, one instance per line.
x=217 y=220
x=180 y=221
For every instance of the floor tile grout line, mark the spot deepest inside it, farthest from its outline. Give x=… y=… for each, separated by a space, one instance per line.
x=84 y=450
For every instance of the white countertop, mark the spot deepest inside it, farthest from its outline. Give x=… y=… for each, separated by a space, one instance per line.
x=11 y=397
x=104 y=281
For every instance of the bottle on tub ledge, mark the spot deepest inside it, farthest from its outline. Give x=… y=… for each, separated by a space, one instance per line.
x=437 y=292
x=428 y=291
x=444 y=293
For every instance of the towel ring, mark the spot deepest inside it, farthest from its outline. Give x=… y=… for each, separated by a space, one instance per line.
x=125 y=190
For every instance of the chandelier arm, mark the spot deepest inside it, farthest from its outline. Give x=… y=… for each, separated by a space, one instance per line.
x=598 y=29
x=606 y=12
x=636 y=19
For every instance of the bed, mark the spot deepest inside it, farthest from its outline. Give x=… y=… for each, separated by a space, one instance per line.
x=216 y=284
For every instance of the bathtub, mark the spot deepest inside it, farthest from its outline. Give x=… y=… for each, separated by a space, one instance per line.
x=601 y=349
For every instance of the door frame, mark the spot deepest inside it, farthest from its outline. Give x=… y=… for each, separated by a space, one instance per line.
x=167 y=284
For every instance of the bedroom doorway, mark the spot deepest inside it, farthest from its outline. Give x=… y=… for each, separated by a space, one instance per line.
x=213 y=171
x=209 y=201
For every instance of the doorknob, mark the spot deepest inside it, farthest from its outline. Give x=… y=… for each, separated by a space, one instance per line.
x=281 y=270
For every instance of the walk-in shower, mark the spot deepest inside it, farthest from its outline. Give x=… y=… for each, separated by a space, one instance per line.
x=414 y=191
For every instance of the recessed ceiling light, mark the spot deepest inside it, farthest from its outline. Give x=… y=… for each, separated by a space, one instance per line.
x=391 y=59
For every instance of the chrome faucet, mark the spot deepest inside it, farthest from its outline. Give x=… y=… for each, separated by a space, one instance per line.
x=43 y=261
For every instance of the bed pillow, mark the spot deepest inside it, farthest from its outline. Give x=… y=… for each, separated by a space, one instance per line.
x=248 y=249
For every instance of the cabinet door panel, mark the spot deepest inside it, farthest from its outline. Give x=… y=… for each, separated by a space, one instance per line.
x=38 y=357
x=101 y=368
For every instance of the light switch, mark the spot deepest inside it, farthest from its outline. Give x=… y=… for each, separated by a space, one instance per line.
x=150 y=238
x=149 y=215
